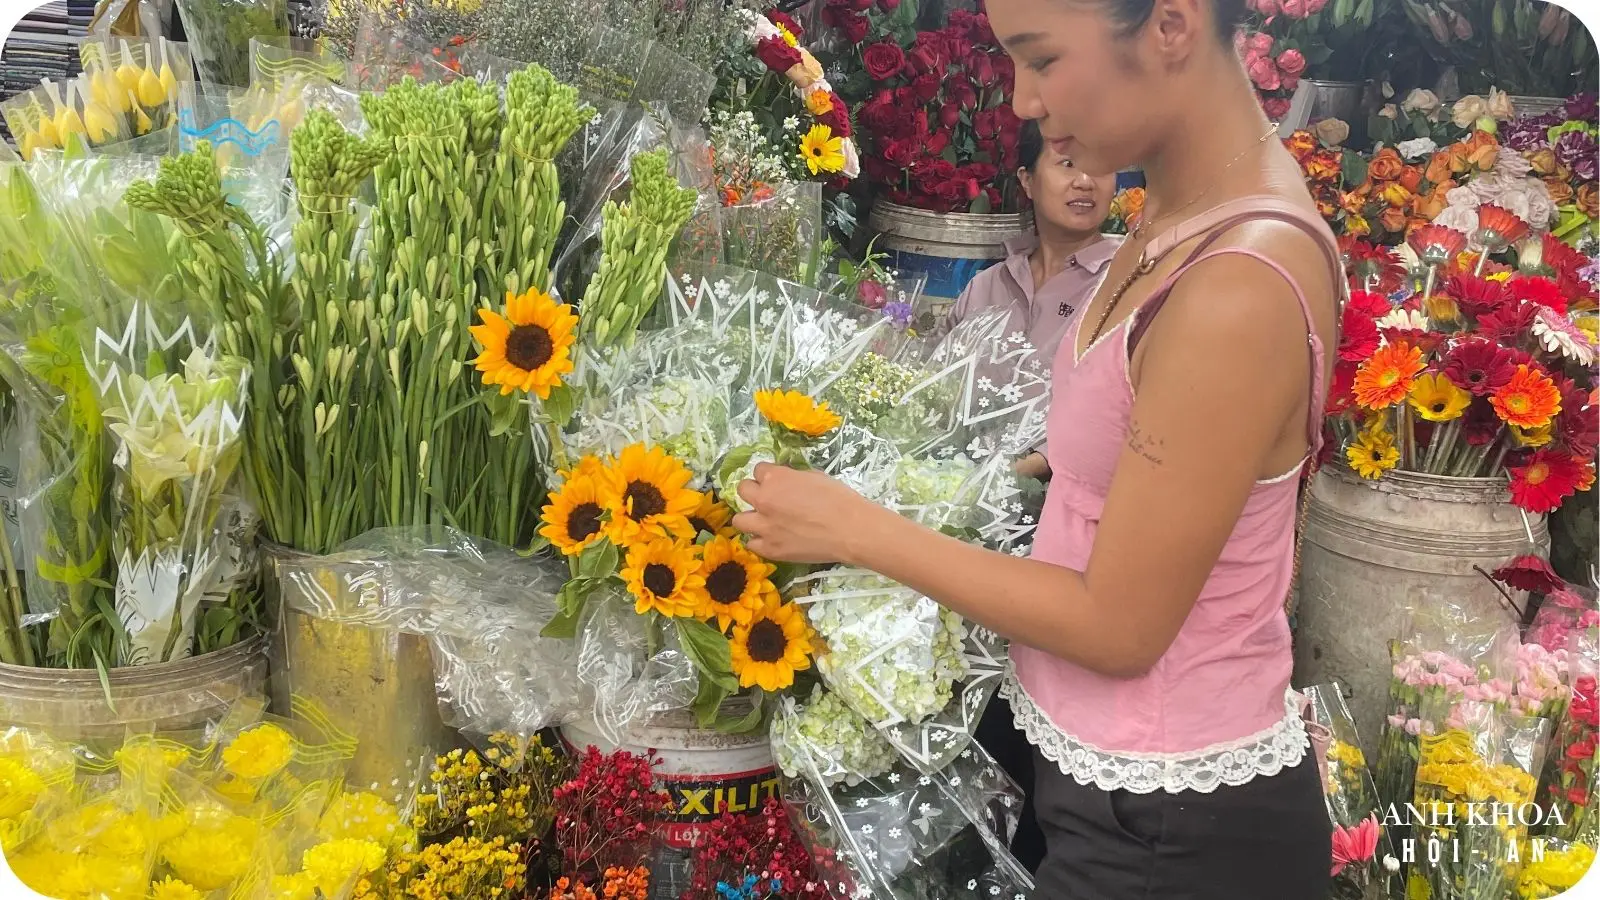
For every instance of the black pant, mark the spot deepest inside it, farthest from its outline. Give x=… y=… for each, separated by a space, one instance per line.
x=1267 y=839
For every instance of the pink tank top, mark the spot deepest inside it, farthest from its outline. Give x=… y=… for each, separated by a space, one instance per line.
x=1216 y=708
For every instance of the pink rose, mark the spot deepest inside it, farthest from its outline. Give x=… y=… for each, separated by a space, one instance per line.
x=1268 y=8
x=1292 y=63
x=1275 y=107
x=1264 y=74
x=1259 y=42
x=1297 y=9
x=1315 y=6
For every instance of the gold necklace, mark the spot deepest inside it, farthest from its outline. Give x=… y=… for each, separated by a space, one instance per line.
x=1144 y=265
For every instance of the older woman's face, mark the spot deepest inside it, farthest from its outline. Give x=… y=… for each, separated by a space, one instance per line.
x=1098 y=96
x=1066 y=196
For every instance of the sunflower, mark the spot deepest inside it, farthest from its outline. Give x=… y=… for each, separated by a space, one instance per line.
x=1373 y=453
x=736 y=581
x=1436 y=398
x=822 y=151
x=1528 y=400
x=646 y=492
x=663 y=576
x=1385 y=378
x=575 y=517
x=776 y=644
x=796 y=412
x=711 y=517
x=530 y=347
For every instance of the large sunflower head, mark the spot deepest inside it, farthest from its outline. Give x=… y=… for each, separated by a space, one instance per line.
x=711 y=517
x=736 y=581
x=646 y=491
x=663 y=576
x=575 y=517
x=777 y=643
x=796 y=412
x=530 y=347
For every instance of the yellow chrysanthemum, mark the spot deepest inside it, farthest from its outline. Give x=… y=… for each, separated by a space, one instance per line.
x=170 y=888
x=646 y=493
x=822 y=151
x=259 y=752
x=20 y=787
x=298 y=886
x=663 y=576
x=363 y=815
x=737 y=581
x=797 y=412
x=335 y=865
x=777 y=643
x=575 y=516
x=214 y=851
x=712 y=517
x=1372 y=454
x=1436 y=398
x=528 y=349
x=787 y=35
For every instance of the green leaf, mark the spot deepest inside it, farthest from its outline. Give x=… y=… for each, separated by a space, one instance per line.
x=709 y=650
x=560 y=405
x=538 y=545
x=564 y=626
x=708 y=701
x=980 y=205
x=750 y=721
x=1353 y=169
x=599 y=561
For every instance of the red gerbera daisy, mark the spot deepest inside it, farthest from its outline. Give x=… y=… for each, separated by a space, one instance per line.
x=1341 y=393
x=1426 y=341
x=1500 y=225
x=1481 y=425
x=1559 y=257
x=1477 y=296
x=1358 y=335
x=1528 y=573
x=1537 y=289
x=1548 y=478
x=1436 y=244
x=1479 y=365
x=1372 y=264
x=1509 y=324
x=1369 y=303
x=1579 y=421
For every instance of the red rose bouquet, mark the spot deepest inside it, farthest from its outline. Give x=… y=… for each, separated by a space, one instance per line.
x=933 y=106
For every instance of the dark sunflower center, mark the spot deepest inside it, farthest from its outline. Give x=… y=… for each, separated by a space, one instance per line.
x=644 y=500
x=767 y=641
x=726 y=582
x=699 y=525
x=583 y=522
x=660 y=579
x=529 y=347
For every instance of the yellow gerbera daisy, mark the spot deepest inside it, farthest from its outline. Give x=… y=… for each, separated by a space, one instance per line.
x=736 y=581
x=663 y=576
x=646 y=492
x=712 y=517
x=821 y=150
x=797 y=412
x=1373 y=454
x=575 y=517
x=1436 y=398
x=530 y=347
x=776 y=644
x=1533 y=437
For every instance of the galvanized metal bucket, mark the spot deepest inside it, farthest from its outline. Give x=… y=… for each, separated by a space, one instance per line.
x=950 y=248
x=1373 y=548
x=185 y=694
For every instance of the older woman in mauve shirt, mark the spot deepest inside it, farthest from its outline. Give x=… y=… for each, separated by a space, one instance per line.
x=1047 y=276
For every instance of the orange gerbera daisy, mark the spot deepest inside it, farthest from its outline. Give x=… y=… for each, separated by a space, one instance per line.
x=1529 y=400
x=1436 y=244
x=1386 y=377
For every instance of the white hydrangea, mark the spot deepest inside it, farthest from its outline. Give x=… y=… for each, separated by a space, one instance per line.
x=740 y=465
x=936 y=492
x=686 y=416
x=892 y=654
x=825 y=733
x=1416 y=148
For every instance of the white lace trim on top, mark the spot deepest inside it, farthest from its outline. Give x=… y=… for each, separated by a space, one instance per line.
x=1233 y=763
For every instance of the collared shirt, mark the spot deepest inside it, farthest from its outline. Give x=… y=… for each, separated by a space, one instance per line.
x=1042 y=316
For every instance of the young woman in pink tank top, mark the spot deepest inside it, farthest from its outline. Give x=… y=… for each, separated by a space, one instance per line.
x=1150 y=645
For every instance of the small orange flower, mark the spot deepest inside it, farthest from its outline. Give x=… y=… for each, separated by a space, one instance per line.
x=1301 y=144
x=1430 y=205
x=1439 y=168
x=1588 y=199
x=819 y=103
x=1352 y=202
x=731 y=196
x=1560 y=191
x=1529 y=400
x=1481 y=151
x=1393 y=220
x=1323 y=166
x=1543 y=161
x=1411 y=179
x=1356 y=226
x=1396 y=195
x=1386 y=377
x=1386 y=165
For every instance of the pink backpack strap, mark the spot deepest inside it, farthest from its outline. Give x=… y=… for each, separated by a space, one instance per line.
x=1214 y=224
